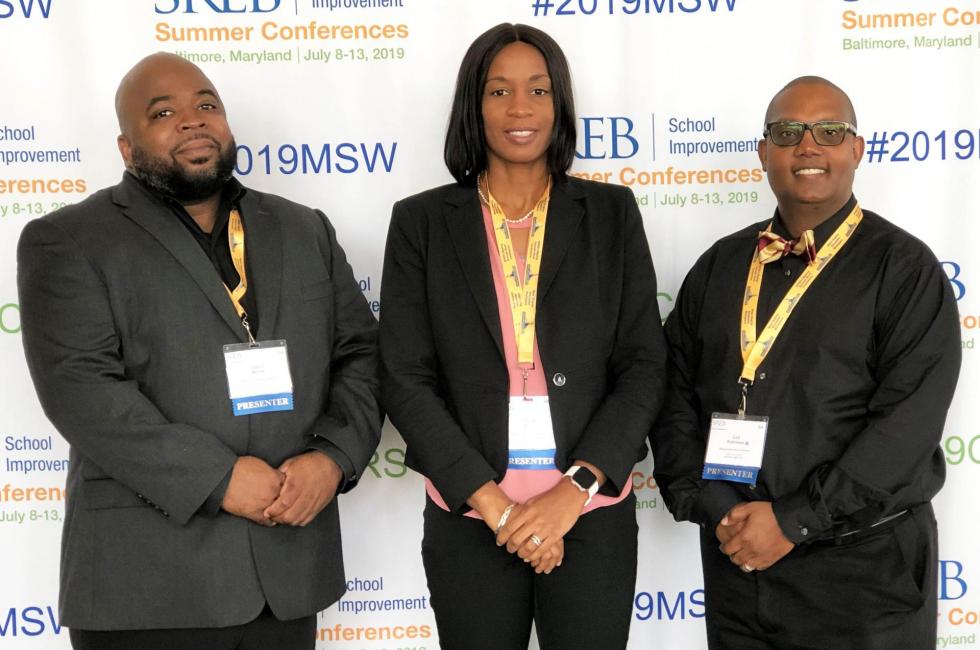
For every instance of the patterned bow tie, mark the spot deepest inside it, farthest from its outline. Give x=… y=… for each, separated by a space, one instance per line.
x=773 y=247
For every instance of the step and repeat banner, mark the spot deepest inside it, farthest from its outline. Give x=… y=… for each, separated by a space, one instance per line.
x=342 y=105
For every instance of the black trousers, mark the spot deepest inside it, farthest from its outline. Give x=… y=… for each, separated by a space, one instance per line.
x=485 y=597
x=876 y=592
x=264 y=633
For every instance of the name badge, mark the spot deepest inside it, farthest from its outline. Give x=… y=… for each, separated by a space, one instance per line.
x=735 y=446
x=530 y=434
x=258 y=377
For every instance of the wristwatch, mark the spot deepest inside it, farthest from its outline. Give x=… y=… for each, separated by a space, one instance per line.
x=584 y=480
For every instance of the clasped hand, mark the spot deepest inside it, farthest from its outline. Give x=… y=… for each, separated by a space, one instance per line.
x=536 y=528
x=751 y=537
x=293 y=494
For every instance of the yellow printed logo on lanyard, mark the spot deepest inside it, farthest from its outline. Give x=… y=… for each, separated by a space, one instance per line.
x=236 y=244
x=522 y=291
x=754 y=350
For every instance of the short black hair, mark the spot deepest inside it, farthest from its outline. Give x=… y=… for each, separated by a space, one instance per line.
x=465 y=152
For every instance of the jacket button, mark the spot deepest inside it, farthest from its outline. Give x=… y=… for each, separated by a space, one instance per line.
x=558 y=379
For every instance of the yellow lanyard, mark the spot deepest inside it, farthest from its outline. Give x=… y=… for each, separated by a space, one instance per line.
x=236 y=243
x=523 y=292
x=754 y=350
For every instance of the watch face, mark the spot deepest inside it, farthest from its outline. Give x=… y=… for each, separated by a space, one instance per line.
x=584 y=478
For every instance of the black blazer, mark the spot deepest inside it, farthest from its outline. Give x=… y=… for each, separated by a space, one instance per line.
x=124 y=318
x=444 y=380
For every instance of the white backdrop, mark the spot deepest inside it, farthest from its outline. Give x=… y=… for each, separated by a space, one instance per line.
x=670 y=96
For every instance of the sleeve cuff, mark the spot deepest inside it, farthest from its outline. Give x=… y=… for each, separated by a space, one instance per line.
x=212 y=506
x=797 y=519
x=457 y=483
x=715 y=500
x=343 y=461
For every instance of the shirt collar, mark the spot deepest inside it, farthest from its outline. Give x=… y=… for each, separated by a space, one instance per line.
x=231 y=195
x=822 y=232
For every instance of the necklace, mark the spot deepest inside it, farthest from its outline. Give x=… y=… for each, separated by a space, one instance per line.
x=482 y=178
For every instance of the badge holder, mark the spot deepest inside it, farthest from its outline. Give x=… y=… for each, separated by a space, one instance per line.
x=531 y=435
x=259 y=380
x=735 y=446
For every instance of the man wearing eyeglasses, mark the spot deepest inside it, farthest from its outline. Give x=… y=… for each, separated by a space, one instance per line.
x=814 y=355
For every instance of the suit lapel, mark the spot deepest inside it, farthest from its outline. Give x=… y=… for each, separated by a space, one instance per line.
x=564 y=216
x=263 y=251
x=464 y=220
x=167 y=229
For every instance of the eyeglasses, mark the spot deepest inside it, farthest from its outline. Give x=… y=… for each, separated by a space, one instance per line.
x=790 y=134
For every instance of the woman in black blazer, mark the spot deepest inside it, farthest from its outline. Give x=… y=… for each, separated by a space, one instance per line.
x=523 y=362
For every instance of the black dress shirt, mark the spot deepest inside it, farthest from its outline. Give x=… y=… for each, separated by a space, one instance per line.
x=856 y=387
x=215 y=243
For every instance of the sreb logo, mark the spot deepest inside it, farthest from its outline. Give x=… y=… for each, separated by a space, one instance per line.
x=606 y=136
x=953 y=272
x=216 y=6
x=952 y=584
x=25 y=9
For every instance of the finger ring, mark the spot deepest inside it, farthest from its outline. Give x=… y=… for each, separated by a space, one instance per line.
x=537 y=540
x=747 y=568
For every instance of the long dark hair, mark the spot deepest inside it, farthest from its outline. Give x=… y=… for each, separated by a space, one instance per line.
x=465 y=152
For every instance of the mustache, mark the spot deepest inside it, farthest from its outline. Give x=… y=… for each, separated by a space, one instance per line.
x=193 y=138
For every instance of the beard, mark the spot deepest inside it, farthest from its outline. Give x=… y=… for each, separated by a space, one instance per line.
x=167 y=176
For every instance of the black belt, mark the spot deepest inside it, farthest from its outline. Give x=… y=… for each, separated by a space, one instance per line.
x=851 y=536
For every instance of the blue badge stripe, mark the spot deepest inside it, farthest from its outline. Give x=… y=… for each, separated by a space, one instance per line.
x=734 y=473
x=531 y=459
x=262 y=404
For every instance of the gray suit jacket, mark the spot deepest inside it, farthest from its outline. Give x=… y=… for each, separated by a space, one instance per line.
x=124 y=318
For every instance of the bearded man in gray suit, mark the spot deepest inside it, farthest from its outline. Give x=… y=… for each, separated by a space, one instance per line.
x=205 y=350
